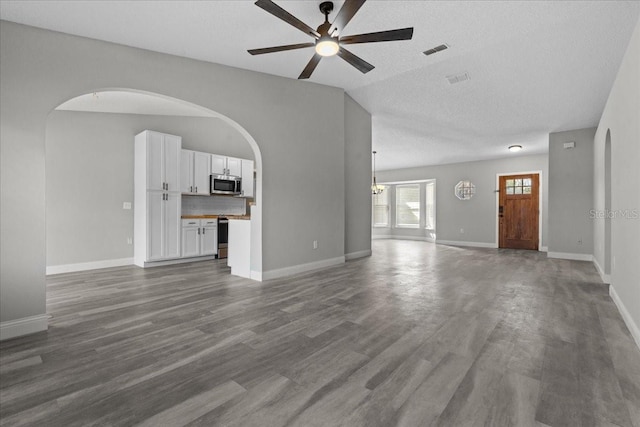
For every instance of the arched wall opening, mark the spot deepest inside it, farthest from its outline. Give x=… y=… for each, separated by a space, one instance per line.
x=123 y=162
x=607 y=203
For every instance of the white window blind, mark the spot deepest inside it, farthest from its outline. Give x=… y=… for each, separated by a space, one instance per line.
x=430 y=214
x=408 y=205
x=381 y=209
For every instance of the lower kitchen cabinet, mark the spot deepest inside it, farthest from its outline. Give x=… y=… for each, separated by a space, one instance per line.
x=159 y=234
x=199 y=237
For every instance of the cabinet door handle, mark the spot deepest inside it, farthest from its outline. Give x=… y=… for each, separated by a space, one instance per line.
x=202 y=230
x=167 y=186
x=198 y=231
x=196 y=189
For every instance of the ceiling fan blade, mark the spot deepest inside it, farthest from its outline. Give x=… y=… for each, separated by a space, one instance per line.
x=280 y=48
x=308 y=70
x=348 y=10
x=354 y=60
x=279 y=12
x=382 y=36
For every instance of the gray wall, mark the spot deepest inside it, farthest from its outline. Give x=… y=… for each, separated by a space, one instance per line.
x=620 y=116
x=89 y=174
x=288 y=119
x=571 y=192
x=357 y=175
x=476 y=216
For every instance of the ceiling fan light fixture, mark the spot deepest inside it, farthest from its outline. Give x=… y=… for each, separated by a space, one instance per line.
x=327 y=46
x=515 y=148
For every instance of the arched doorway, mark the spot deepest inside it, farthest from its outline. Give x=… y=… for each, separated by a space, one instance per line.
x=607 y=203
x=189 y=110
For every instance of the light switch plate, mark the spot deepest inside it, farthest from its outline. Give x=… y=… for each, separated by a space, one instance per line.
x=126 y=205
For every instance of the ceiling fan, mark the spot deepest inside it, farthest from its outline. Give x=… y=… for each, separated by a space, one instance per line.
x=328 y=37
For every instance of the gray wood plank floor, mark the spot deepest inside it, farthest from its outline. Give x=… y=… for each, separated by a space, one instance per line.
x=416 y=335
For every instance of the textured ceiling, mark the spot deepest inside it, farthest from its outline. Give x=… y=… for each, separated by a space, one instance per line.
x=535 y=67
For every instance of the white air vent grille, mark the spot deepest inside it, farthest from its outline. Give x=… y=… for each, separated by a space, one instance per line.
x=457 y=78
x=435 y=49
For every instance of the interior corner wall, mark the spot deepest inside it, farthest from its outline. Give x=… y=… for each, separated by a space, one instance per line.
x=620 y=117
x=475 y=217
x=89 y=174
x=302 y=158
x=571 y=192
x=357 y=178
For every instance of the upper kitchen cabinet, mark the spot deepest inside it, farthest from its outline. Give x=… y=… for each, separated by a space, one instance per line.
x=195 y=169
x=248 y=184
x=222 y=165
x=162 y=168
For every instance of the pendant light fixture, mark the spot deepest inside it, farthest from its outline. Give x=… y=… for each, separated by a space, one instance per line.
x=375 y=188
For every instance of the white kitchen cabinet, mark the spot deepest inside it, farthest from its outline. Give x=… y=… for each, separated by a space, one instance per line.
x=222 y=165
x=199 y=237
x=195 y=170
x=162 y=226
x=190 y=238
x=248 y=186
x=209 y=237
x=161 y=160
x=157 y=198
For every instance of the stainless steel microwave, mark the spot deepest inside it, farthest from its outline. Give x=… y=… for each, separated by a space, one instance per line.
x=223 y=184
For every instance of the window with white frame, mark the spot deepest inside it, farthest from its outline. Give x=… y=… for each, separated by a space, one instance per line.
x=430 y=205
x=381 y=209
x=408 y=205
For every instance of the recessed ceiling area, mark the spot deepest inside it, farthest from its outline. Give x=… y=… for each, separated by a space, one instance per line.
x=534 y=67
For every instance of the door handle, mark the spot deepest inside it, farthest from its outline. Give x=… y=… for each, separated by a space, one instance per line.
x=202 y=230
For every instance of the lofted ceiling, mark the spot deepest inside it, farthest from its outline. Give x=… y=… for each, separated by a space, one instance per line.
x=534 y=67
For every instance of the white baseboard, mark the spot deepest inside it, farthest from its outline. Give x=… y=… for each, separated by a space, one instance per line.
x=302 y=268
x=568 y=255
x=463 y=243
x=357 y=254
x=381 y=237
x=544 y=249
x=25 y=326
x=94 y=265
x=606 y=278
x=178 y=261
x=256 y=275
x=400 y=237
x=628 y=320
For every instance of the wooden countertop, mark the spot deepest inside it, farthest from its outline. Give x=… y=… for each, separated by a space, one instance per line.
x=215 y=216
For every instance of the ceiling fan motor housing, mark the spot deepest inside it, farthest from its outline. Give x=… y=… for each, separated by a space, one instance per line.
x=326 y=7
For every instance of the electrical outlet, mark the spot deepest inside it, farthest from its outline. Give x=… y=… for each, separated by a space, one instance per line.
x=462 y=231
x=129 y=241
x=315 y=244
x=126 y=205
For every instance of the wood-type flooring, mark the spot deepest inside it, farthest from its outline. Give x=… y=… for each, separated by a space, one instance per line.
x=416 y=335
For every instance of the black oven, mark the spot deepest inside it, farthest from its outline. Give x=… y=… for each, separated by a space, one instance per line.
x=223 y=236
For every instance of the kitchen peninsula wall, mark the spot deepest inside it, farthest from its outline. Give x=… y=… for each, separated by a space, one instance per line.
x=213 y=205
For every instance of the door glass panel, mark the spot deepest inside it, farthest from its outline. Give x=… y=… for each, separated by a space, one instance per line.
x=518 y=190
x=526 y=190
x=518 y=182
x=509 y=190
x=509 y=183
x=527 y=182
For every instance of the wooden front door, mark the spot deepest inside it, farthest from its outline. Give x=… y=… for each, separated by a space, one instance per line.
x=518 y=211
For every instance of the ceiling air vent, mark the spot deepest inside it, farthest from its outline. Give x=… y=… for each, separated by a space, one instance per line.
x=435 y=49
x=457 y=78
